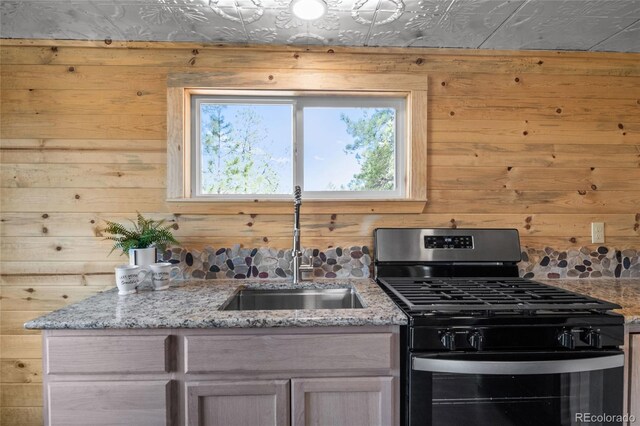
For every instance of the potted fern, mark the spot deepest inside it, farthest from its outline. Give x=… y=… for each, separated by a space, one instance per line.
x=141 y=242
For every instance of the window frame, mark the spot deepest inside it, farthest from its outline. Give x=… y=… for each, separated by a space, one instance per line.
x=298 y=105
x=180 y=86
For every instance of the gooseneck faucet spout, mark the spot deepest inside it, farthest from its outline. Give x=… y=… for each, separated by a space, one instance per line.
x=296 y=253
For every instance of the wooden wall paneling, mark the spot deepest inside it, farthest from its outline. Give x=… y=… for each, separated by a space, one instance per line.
x=121 y=126
x=83 y=101
x=21 y=371
x=12 y=322
x=523 y=86
x=515 y=139
x=531 y=108
x=325 y=225
x=551 y=155
x=502 y=62
x=75 y=175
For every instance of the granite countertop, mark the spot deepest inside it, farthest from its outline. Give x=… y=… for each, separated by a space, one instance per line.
x=195 y=304
x=624 y=292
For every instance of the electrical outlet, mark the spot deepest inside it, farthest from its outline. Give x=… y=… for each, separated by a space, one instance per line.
x=597 y=232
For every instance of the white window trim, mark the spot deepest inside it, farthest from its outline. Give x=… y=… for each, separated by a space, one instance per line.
x=298 y=104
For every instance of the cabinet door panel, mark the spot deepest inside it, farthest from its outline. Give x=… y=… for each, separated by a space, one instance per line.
x=238 y=403
x=107 y=354
x=109 y=403
x=634 y=375
x=287 y=353
x=343 y=401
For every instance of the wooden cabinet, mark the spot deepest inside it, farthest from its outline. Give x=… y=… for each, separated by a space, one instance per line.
x=340 y=401
x=238 y=403
x=633 y=361
x=109 y=403
x=311 y=376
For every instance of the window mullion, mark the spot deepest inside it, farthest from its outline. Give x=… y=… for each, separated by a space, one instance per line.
x=298 y=144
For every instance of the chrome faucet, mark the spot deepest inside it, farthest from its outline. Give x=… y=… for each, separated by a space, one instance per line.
x=298 y=267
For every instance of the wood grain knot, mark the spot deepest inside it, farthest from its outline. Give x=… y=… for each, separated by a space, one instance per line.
x=72 y=69
x=525 y=133
x=107 y=41
x=594 y=187
x=77 y=196
x=45 y=230
x=192 y=61
x=265 y=239
x=334 y=216
x=559 y=110
x=139 y=93
x=517 y=80
x=45 y=216
x=331 y=51
x=249 y=224
x=54 y=49
x=419 y=61
x=195 y=52
x=452 y=113
x=443 y=84
x=296 y=56
x=582 y=192
x=573 y=240
x=620 y=126
x=540 y=62
x=270 y=77
x=58 y=248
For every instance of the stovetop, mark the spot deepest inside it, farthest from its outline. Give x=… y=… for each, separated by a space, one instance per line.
x=486 y=296
x=468 y=273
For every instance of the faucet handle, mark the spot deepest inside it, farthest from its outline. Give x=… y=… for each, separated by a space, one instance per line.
x=305 y=268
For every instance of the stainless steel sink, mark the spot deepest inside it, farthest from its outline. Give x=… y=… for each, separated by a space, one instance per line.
x=250 y=299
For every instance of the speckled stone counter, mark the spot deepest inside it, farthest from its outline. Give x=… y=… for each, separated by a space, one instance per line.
x=624 y=292
x=195 y=304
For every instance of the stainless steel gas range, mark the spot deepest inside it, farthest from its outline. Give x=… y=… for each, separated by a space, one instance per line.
x=485 y=347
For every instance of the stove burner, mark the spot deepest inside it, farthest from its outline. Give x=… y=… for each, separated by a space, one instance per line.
x=470 y=294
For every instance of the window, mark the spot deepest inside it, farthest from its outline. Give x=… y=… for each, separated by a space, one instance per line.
x=334 y=147
x=338 y=178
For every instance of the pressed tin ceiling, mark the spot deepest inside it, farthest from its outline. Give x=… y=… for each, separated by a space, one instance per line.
x=597 y=25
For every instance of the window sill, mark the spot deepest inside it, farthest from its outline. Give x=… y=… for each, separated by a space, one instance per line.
x=198 y=206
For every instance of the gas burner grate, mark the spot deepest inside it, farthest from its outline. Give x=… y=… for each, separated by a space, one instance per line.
x=486 y=294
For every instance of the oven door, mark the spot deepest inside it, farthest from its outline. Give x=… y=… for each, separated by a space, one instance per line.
x=516 y=388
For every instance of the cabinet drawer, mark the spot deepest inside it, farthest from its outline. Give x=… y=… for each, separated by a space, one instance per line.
x=109 y=403
x=284 y=352
x=108 y=354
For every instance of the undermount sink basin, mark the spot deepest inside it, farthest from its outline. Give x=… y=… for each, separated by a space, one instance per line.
x=253 y=299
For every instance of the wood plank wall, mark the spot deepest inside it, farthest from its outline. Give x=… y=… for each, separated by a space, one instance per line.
x=545 y=142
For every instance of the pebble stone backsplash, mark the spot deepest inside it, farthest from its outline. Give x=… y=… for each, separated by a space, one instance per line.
x=584 y=262
x=355 y=262
x=265 y=262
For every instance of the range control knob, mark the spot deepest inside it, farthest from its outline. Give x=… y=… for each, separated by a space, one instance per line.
x=592 y=338
x=476 y=340
x=566 y=339
x=448 y=340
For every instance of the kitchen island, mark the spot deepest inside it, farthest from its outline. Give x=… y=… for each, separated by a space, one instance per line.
x=173 y=357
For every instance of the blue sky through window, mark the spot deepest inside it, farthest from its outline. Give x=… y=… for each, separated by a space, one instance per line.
x=326 y=165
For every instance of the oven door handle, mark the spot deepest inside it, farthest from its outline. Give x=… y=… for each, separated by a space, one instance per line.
x=466 y=366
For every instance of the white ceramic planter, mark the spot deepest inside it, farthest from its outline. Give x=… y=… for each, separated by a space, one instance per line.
x=143 y=257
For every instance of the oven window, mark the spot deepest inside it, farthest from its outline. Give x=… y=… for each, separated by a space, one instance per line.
x=448 y=399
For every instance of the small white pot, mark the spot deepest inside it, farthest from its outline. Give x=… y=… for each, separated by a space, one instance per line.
x=143 y=257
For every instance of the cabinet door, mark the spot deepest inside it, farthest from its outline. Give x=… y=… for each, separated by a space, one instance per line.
x=96 y=403
x=343 y=401
x=634 y=375
x=238 y=403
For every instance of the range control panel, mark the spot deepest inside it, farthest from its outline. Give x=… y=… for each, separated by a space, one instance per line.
x=448 y=242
